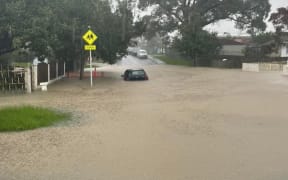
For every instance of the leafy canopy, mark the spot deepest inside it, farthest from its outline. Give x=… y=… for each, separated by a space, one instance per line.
x=280 y=19
x=189 y=17
x=54 y=28
x=178 y=14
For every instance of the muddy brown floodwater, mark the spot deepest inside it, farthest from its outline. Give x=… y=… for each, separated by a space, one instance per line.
x=182 y=124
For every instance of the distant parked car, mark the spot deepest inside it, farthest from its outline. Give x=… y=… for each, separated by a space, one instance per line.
x=132 y=51
x=135 y=74
x=142 y=54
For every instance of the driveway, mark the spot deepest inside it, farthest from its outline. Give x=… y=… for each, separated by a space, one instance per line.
x=183 y=124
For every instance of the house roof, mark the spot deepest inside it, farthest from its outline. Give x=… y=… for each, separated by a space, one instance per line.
x=226 y=41
x=283 y=37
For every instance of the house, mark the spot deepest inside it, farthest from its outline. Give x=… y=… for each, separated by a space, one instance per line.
x=232 y=52
x=273 y=48
x=233 y=46
x=271 y=55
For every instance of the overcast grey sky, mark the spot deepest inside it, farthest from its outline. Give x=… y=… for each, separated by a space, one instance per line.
x=227 y=26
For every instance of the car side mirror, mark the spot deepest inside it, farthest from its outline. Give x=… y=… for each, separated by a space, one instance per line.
x=122 y=75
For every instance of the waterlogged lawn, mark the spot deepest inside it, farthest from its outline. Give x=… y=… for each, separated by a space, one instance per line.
x=174 y=61
x=28 y=118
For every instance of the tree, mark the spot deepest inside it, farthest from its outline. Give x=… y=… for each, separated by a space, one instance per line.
x=280 y=19
x=263 y=37
x=114 y=36
x=54 y=28
x=177 y=15
x=189 y=17
x=29 y=24
x=198 y=45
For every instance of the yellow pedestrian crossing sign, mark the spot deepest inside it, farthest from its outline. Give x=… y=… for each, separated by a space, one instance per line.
x=90 y=37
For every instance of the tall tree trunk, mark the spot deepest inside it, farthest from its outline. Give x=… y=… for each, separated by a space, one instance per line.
x=124 y=19
x=82 y=62
x=195 y=60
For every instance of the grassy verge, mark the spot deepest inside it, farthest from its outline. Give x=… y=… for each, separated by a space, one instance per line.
x=174 y=61
x=28 y=117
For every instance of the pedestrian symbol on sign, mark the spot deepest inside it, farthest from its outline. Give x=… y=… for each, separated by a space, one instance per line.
x=90 y=36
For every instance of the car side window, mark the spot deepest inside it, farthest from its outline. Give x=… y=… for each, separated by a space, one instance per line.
x=129 y=73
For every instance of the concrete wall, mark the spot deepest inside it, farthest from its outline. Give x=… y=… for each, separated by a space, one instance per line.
x=250 y=67
x=259 y=67
x=28 y=84
x=34 y=77
x=270 y=67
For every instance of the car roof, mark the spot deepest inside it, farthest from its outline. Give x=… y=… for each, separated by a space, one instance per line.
x=135 y=69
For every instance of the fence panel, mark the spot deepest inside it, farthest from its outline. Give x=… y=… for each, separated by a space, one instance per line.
x=61 y=69
x=52 y=70
x=12 y=79
x=42 y=73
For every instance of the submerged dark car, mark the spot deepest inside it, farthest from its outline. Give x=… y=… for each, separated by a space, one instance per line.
x=135 y=74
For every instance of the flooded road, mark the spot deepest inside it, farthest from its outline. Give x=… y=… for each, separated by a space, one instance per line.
x=136 y=62
x=183 y=124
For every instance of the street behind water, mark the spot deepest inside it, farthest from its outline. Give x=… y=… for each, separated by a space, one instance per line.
x=183 y=124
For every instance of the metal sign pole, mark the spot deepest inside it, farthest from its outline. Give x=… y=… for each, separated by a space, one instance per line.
x=89 y=37
x=91 y=78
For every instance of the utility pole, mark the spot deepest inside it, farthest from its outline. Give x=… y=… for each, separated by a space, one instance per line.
x=90 y=58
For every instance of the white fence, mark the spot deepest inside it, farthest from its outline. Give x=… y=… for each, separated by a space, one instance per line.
x=34 y=77
x=250 y=67
x=260 y=67
x=46 y=73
